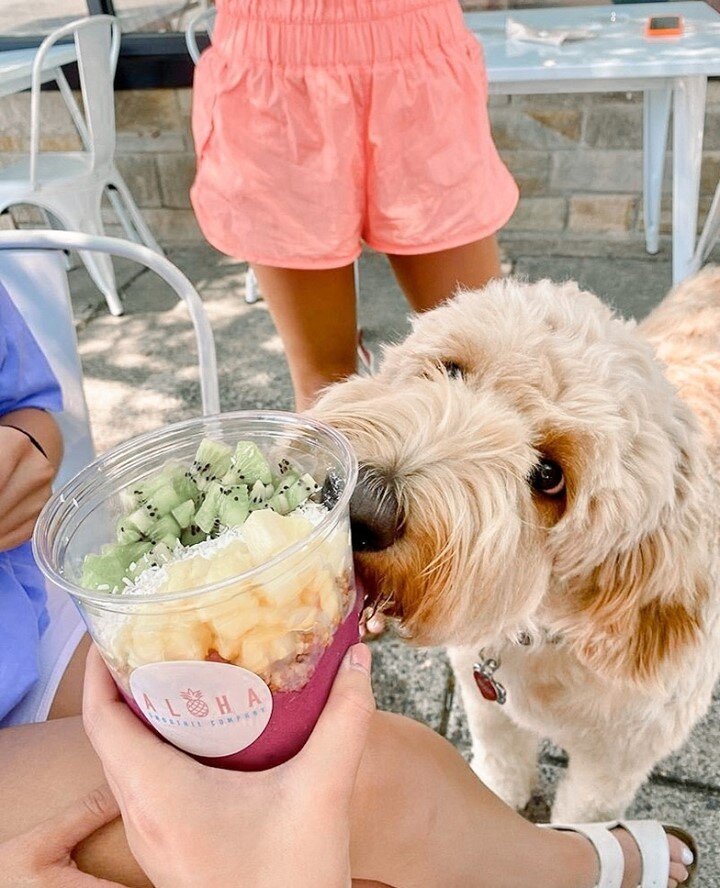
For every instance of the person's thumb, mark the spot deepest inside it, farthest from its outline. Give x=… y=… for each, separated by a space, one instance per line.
x=337 y=742
x=58 y=836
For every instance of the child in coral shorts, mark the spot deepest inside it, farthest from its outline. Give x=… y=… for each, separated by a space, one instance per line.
x=320 y=124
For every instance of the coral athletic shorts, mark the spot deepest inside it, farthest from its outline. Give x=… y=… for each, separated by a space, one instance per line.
x=322 y=123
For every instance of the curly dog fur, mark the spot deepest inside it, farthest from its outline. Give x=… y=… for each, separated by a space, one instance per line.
x=621 y=570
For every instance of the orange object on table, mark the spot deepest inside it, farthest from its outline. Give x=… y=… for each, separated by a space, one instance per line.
x=664 y=26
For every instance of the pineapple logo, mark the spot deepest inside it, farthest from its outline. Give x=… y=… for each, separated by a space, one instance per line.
x=195 y=704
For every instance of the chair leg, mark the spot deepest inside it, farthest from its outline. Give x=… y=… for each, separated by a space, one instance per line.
x=119 y=207
x=710 y=233
x=134 y=214
x=656 y=117
x=252 y=291
x=100 y=269
x=85 y=216
x=56 y=225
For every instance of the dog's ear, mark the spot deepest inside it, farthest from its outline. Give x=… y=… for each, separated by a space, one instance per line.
x=640 y=608
x=631 y=550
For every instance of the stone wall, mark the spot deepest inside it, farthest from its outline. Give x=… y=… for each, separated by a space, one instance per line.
x=577 y=159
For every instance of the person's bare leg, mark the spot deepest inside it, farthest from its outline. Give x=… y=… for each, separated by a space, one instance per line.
x=68 y=697
x=420 y=816
x=315 y=314
x=428 y=279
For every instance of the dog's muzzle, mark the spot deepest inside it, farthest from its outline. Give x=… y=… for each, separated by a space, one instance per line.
x=375 y=516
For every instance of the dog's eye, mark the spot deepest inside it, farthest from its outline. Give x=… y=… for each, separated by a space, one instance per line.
x=547 y=477
x=453 y=370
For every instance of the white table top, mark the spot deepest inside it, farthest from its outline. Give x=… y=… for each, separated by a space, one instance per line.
x=619 y=51
x=16 y=66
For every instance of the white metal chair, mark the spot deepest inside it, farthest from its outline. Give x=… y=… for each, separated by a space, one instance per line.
x=32 y=270
x=710 y=234
x=204 y=19
x=69 y=186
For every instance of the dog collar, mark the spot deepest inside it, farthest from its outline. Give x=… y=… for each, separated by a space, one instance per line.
x=484 y=674
x=486 y=667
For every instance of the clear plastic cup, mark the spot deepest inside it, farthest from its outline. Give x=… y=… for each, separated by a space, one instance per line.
x=235 y=670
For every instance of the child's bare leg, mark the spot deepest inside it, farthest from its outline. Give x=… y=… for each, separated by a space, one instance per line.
x=315 y=314
x=428 y=279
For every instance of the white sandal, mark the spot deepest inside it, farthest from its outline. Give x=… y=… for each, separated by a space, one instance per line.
x=651 y=839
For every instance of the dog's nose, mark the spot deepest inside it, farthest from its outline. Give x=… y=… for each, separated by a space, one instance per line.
x=374 y=512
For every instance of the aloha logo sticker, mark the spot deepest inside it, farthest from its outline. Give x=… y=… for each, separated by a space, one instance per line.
x=205 y=708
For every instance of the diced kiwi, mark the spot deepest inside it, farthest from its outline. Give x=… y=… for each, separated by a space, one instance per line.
x=163 y=500
x=162 y=552
x=286 y=467
x=144 y=489
x=141 y=565
x=132 y=551
x=212 y=461
x=166 y=529
x=294 y=496
x=102 y=571
x=141 y=520
x=248 y=466
x=109 y=568
x=192 y=535
x=285 y=482
x=186 y=487
x=260 y=495
x=184 y=513
x=126 y=532
x=208 y=513
x=234 y=505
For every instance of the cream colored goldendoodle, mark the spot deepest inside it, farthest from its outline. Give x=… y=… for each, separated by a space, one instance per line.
x=541 y=481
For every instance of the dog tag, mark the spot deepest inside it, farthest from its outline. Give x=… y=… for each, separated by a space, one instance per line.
x=489 y=687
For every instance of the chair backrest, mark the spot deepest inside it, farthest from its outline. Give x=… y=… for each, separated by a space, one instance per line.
x=32 y=271
x=38 y=285
x=204 y=19
x=97 y=42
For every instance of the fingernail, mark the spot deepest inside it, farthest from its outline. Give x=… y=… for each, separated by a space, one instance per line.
x=359 y=657
x=687 y=856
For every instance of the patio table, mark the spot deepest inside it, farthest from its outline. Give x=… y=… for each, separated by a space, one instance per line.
x=16 y=66
x=671 y=72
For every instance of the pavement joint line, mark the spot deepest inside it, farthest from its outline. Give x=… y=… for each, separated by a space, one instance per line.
x=447 y=703
x=655 y=778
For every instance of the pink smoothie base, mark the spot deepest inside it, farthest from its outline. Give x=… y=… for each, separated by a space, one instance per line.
x=294 y=713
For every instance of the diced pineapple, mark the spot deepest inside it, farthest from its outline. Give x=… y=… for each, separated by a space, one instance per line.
x=261 y=648
x=282 y=647
x=180 y=576
x=266 y=533
x=329 y=599
x=303 y=619
x=253 y=655
x=177 y=637
x=233 y=620
x=228 y=562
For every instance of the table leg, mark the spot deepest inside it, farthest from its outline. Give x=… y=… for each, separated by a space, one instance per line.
x=656 y=117
x=688 y=124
